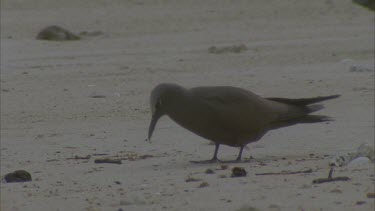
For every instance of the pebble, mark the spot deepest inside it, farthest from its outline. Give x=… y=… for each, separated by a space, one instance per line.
x=203 y=185
x=18 y=176
x=238 y=172
x=56 y=33
x=209 y=171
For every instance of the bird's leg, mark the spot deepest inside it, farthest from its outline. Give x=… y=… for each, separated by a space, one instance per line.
x=214 y=159
x=238 y=159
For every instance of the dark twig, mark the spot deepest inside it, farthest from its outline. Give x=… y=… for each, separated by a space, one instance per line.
x=79 y=157
x=330 y=178
x=286 y=172
x=323 y=180
x=107 y=160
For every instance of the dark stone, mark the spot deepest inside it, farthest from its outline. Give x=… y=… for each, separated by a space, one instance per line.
x=369 y=4
x=209 y=171
x=56 y=33
x=18 y=176
x=238 y=172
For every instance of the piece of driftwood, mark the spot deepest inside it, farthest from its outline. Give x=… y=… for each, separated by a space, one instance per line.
x=79 y=157
x=330 y=178
x=107 y=160
x=333 y=179
x=286 y=172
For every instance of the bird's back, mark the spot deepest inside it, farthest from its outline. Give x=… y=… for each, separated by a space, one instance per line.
x=227 y=115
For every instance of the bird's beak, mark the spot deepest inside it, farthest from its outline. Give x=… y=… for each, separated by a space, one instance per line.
x=154 y=120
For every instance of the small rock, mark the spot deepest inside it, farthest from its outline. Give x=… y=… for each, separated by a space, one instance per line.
x=238 y=172
x=360 y=202
x=370 y=195
x=56 y=33
x=336 y=191
x=203 y=185
x=18 y=176
x=209 y=171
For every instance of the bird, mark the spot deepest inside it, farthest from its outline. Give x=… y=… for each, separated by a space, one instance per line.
x=228 y=115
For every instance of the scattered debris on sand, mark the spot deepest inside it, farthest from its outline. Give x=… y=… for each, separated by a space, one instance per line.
x=76 y=157
x=227 y=49
x=222 y=167
x=123 y=155
x=203 y=185
x=209 y=171
x=192 y=179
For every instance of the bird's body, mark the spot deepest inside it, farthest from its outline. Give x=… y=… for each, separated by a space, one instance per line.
x=229 y=115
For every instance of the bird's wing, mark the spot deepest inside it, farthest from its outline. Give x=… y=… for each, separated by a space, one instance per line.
x=235 y=108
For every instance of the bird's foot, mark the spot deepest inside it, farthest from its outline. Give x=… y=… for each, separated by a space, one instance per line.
x=206 y=161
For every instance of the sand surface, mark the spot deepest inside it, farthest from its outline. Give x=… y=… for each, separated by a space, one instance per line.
x=65 y=104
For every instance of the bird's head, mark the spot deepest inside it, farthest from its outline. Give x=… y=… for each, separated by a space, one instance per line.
x=160 y=100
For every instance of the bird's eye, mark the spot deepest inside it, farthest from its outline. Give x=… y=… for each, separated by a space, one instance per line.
x=158 y=104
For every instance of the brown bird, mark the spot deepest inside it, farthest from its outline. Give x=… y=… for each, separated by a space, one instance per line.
x=229 y=115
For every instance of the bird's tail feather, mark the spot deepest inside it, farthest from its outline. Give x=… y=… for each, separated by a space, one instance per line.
x=314 y=118
x=301 y=120
x=303 y=101
x=299 y=111
x=312 y=108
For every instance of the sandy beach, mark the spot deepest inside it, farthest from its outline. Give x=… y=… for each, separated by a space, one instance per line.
x=65 y=104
